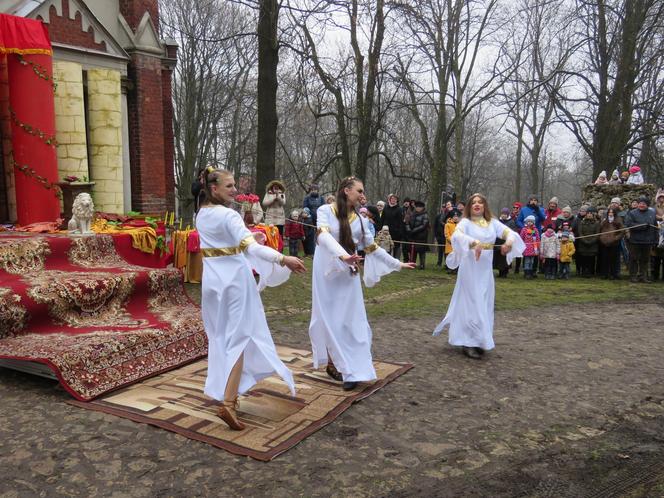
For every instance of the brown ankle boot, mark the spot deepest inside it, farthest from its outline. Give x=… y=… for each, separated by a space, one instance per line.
x=228 y=413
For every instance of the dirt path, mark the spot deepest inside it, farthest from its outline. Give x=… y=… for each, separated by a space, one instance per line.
x=571 y=403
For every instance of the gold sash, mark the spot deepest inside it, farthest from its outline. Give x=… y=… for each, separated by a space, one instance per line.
x=213 y=252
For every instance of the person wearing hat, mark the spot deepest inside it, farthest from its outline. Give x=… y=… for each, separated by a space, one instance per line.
x=610 y=235
x=643 y=235
x=657 y=256
x=635 y=176
x=309 y=243
x=418 y=233
x=384 y=240
x=602 y=179
x=470 y=315
x=313 y=200
x=551 y=214
x=531 y=209
x=615 y=178
x=274 y=202
x=531 y=238
x=587 y=243
x=565 y=216
x=393 y=218
x=567 y=251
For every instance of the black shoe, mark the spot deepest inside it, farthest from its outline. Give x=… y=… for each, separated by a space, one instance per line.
x=471 y=353
x=349 y=386
x=334 y=373
x=479 y=351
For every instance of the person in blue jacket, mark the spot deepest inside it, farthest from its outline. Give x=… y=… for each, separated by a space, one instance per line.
x=531 y=209
x=313 y=201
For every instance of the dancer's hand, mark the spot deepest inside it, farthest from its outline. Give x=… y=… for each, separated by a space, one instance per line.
x=294 y=264
x=409 y=266
x=478 y=252
x=505 y=248
x=351 y=259
x=260 y=238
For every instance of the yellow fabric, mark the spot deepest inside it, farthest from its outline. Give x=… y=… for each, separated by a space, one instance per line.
x=25 y=51
x=179 y=239
x=142 y=238
x=450 y=226
x=271 y=235
x=566 y=251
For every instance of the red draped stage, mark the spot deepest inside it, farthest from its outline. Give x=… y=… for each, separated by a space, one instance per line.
x=26 y=52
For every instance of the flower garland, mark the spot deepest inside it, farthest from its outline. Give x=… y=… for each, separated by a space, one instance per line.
x=42 y=73
x=35 y=132
x=39 y=70
x=29 y=172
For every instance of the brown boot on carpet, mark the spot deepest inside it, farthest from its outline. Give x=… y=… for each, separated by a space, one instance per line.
x=228 y=413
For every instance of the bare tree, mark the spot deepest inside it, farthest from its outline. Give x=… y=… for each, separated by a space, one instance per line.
x=619 y=41
x=212 y=66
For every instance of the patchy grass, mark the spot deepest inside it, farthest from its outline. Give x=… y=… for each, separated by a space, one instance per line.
x=416 y=292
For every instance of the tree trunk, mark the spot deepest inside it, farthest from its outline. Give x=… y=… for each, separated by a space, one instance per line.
x=268 y=59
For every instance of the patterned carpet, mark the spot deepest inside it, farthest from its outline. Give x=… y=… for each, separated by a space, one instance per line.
x=275 y=421
x=100 y=323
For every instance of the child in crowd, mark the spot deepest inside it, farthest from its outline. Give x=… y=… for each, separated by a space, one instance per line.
x=450 y=226
x=635 y=176
x=550 y=253
x=294 y=232
x=364 y=213
x=384 y=240
x=566 y=252
x=530 y=236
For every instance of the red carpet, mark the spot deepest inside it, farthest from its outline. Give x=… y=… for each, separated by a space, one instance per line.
x=96 y=320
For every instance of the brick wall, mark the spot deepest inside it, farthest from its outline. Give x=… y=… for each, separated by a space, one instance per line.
x=133 y=11
x=169 y=144
x=149 y=190
x=62 y=29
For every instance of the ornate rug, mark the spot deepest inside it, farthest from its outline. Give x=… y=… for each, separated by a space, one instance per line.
x=275 y=421
x=100 y=323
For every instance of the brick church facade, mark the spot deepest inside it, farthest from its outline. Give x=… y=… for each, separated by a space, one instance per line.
x=113 y=107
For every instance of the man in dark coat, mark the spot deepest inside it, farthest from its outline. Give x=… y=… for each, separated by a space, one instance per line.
x=643 y=235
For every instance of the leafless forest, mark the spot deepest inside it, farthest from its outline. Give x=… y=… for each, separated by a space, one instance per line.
x=507 y=97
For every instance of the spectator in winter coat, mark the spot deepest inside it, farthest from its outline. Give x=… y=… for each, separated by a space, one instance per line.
x=615 y=178
x=380 y=205
x=564 y=216
x=643 y=236
x=418 y=231
x=550 y=252
x=659 y=205
x=450 y=226
x=566 y=253
x=384 y=240
x=635 y=176
x=439 y=232
x=313 y=201
x=530 y=236
x=531 y=209
x=587 y=245
x=610 y=235
x=309 y=232
x=393 y=218
x=601 y=179
x=500 y=260
x=274 y=202
x=552 y=212
x=294 y=232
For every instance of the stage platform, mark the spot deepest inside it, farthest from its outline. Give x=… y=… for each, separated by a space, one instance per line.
x=78 y=309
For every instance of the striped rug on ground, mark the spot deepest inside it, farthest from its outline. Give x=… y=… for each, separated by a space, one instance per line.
x=275 y=421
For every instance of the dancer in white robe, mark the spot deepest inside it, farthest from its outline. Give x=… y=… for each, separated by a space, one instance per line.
x=470 y=314
x=240 y=348
x=339 y=330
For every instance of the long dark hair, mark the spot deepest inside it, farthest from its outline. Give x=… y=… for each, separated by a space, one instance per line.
x=467 y=207
x=213 y=175
x=345 y=233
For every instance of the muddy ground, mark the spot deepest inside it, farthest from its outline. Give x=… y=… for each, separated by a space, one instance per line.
x=571 y=403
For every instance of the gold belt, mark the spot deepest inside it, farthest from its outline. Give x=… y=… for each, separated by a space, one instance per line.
x=370 y=248
x=213 y=252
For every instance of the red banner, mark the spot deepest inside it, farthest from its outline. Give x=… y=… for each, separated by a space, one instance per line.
x=23 y=36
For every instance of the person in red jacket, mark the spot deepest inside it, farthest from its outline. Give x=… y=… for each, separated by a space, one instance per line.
x=294 y=232
x=552 y=212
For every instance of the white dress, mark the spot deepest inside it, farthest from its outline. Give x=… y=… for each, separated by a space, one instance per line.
x=231 y=306
x=339 y=324
x=470 y=314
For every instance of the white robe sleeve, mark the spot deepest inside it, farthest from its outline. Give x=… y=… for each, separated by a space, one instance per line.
x=264 y=260
x=510 y=237
x=377 y=261
x=460 y=245
x=325 y=238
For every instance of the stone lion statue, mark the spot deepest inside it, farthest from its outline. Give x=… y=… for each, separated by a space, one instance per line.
x=82 y=210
